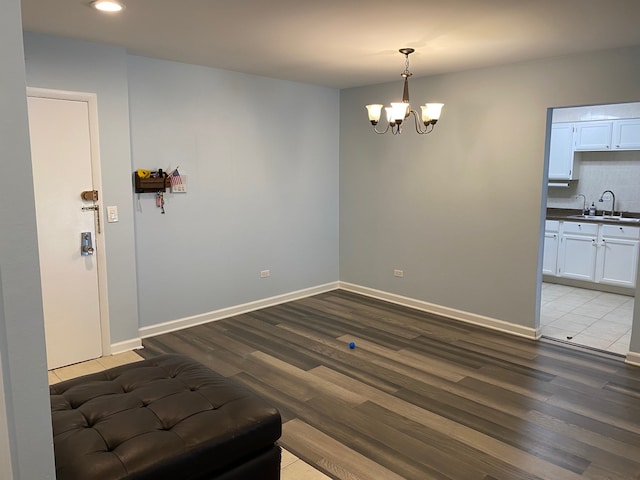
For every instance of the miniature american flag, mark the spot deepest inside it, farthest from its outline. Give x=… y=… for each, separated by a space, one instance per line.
x=175 y=178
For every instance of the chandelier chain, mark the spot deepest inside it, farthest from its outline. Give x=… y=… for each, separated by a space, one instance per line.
x=406 y=72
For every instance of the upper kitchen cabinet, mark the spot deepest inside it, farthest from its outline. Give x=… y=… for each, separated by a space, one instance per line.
x=593 y=136
x=561 y=156
x=607 y=135
x=626 y=134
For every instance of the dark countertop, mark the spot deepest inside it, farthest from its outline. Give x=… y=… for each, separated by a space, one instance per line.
x=569 y=213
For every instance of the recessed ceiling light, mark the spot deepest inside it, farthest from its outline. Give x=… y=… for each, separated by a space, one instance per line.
x=107 y=5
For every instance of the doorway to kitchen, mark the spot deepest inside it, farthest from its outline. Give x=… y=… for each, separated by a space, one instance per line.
x=592 y=228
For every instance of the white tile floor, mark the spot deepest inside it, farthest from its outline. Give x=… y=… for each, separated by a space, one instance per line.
x=291 y=467
x=591 y=318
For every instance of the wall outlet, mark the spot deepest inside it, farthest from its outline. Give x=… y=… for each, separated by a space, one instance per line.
x=265 y=273
x=398 y=273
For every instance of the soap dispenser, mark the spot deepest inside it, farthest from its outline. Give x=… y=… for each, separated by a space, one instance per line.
x=592 y=210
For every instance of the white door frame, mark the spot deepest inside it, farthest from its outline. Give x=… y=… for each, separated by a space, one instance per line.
x=92 y=104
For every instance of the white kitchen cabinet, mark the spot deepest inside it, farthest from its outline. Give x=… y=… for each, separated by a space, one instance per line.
x=577 y=251
x=601 y=253
x=617 y=259
x=626 y=134
x=550 y=248
x=561 y=156
x=593 y=136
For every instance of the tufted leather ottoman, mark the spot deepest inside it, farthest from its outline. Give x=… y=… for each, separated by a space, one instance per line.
x=168 y=417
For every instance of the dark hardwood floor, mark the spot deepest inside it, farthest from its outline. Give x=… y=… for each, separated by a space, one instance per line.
x=423 y=397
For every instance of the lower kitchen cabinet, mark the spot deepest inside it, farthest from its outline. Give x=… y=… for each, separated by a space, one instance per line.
x=618 y=255
x=601 y=253
x=577 y=251
x=550 y=250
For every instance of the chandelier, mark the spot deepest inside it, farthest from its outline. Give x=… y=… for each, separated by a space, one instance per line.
x=400 y=111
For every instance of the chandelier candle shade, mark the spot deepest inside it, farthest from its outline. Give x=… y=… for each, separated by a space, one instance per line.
x=400 y=111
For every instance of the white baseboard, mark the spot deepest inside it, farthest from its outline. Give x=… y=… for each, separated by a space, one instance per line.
x=121 y=347
x=186 y=322
x=452 y=313
x=633 y=358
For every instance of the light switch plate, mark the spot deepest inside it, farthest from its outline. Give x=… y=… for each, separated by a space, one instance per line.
x=112 y=214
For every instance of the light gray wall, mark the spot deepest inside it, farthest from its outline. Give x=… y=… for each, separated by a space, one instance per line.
x=460 y=210
x=66 y=64
x=262 y=190
x=261 y=157
x=25 y=420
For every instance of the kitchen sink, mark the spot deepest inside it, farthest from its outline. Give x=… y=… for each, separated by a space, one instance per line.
x=606 y=218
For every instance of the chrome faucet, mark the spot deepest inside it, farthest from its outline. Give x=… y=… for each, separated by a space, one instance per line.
x=584 y=202
x=613 y=200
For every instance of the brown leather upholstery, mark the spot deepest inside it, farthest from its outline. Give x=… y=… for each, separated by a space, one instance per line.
x=164 y=418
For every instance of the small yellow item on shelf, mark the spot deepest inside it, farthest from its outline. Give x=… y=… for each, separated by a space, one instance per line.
x=142 y=173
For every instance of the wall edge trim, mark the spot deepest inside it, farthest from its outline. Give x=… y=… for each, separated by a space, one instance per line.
x=126 y=345
x=452 y=313
x=186 y=322
x=633 y=358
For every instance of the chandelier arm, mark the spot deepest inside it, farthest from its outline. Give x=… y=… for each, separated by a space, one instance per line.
x=427 y=128
x=417 y=123
x=383 y=132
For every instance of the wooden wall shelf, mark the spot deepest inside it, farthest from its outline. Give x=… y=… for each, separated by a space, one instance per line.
x=150 y=185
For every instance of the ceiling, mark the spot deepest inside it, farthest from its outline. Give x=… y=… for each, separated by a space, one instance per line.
x=345 y=43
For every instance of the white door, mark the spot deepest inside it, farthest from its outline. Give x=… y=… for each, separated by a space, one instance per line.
x=62 y=169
